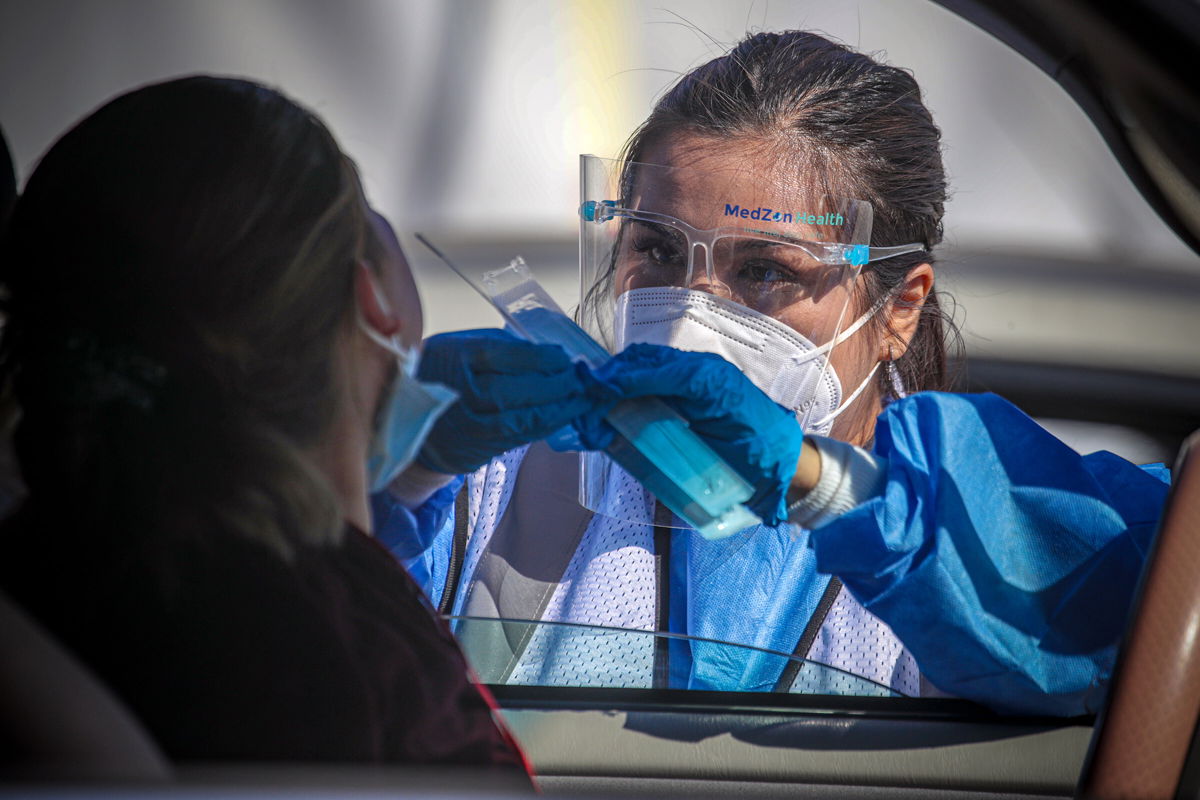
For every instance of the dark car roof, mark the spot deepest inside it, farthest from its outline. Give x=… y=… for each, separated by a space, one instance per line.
x=1132 y=67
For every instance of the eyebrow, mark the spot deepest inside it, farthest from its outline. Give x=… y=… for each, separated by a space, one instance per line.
x=788 y=244
x=661 y=229
x=759 y=244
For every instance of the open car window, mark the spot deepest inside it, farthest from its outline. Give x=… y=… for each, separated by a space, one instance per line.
x=1074 y=299
x=1076 y=302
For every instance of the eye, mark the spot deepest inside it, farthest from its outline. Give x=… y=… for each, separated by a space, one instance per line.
x=658 y=249
x=761 y=270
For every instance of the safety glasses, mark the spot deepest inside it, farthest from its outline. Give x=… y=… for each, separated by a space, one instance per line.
x=759 y=268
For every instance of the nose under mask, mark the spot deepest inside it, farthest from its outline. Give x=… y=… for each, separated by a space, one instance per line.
x=787 y=366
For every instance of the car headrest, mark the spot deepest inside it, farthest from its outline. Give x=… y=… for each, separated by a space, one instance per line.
x=57 y=720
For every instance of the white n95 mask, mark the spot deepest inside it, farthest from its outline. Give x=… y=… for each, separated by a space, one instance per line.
x=789 y=368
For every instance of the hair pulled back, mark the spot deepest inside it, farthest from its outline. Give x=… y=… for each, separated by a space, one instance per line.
x=852 y=123
x=177 y=273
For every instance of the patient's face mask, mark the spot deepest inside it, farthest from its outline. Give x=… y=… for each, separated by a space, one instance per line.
x=406 y=414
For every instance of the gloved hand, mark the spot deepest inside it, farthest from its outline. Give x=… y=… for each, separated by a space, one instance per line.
x=759 y=438
x=512 y=392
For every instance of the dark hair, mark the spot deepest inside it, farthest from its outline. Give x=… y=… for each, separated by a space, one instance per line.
x=858 y=125
x=178 y=271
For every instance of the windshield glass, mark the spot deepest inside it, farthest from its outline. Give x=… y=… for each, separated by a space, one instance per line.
x=1074 y=302
x=539 y=653
x=1031 y=294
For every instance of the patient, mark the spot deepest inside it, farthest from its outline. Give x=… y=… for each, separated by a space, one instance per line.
x=196 y=298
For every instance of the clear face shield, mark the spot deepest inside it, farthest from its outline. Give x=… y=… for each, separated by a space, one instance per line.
x=760 y=270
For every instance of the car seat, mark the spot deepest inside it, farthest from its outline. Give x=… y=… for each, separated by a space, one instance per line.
x=57 y=720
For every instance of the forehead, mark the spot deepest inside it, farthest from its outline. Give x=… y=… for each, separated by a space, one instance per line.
x=712 y=183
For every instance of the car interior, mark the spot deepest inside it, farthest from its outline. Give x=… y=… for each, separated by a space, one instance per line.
x=1131 y=68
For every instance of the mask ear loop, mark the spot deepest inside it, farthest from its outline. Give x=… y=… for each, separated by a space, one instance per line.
x=846 y=334
x=407 y=356
x=832 y=415
x=843 y=336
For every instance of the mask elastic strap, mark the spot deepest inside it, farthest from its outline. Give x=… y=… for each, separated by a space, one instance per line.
x=844 y=335
x=858 y=323
x=385 y=342
x=408 y=356
x=853 y=396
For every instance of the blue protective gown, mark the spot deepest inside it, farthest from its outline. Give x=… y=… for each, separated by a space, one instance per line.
x=410 y=533
x=1003 y=560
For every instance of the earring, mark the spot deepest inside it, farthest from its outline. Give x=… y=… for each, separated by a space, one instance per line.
x=894 y=376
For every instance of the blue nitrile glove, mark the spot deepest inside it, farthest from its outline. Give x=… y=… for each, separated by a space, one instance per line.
x=512 y=392
x=759 y=438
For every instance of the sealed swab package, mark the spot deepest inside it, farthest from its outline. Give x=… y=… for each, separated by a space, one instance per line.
x=654 y=443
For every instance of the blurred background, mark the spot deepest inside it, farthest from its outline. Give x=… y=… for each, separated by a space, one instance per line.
x=467 y=117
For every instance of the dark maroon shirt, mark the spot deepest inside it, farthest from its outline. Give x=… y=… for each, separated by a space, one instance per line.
x=226 y=651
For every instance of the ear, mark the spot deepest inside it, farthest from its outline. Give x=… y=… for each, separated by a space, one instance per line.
x=374 y=307
x=905 y=312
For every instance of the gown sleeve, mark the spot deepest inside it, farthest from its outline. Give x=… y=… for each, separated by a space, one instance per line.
x=418 y=536
x=1003 y=560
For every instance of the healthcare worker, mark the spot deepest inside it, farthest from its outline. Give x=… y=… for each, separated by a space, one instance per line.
x=777 y=214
